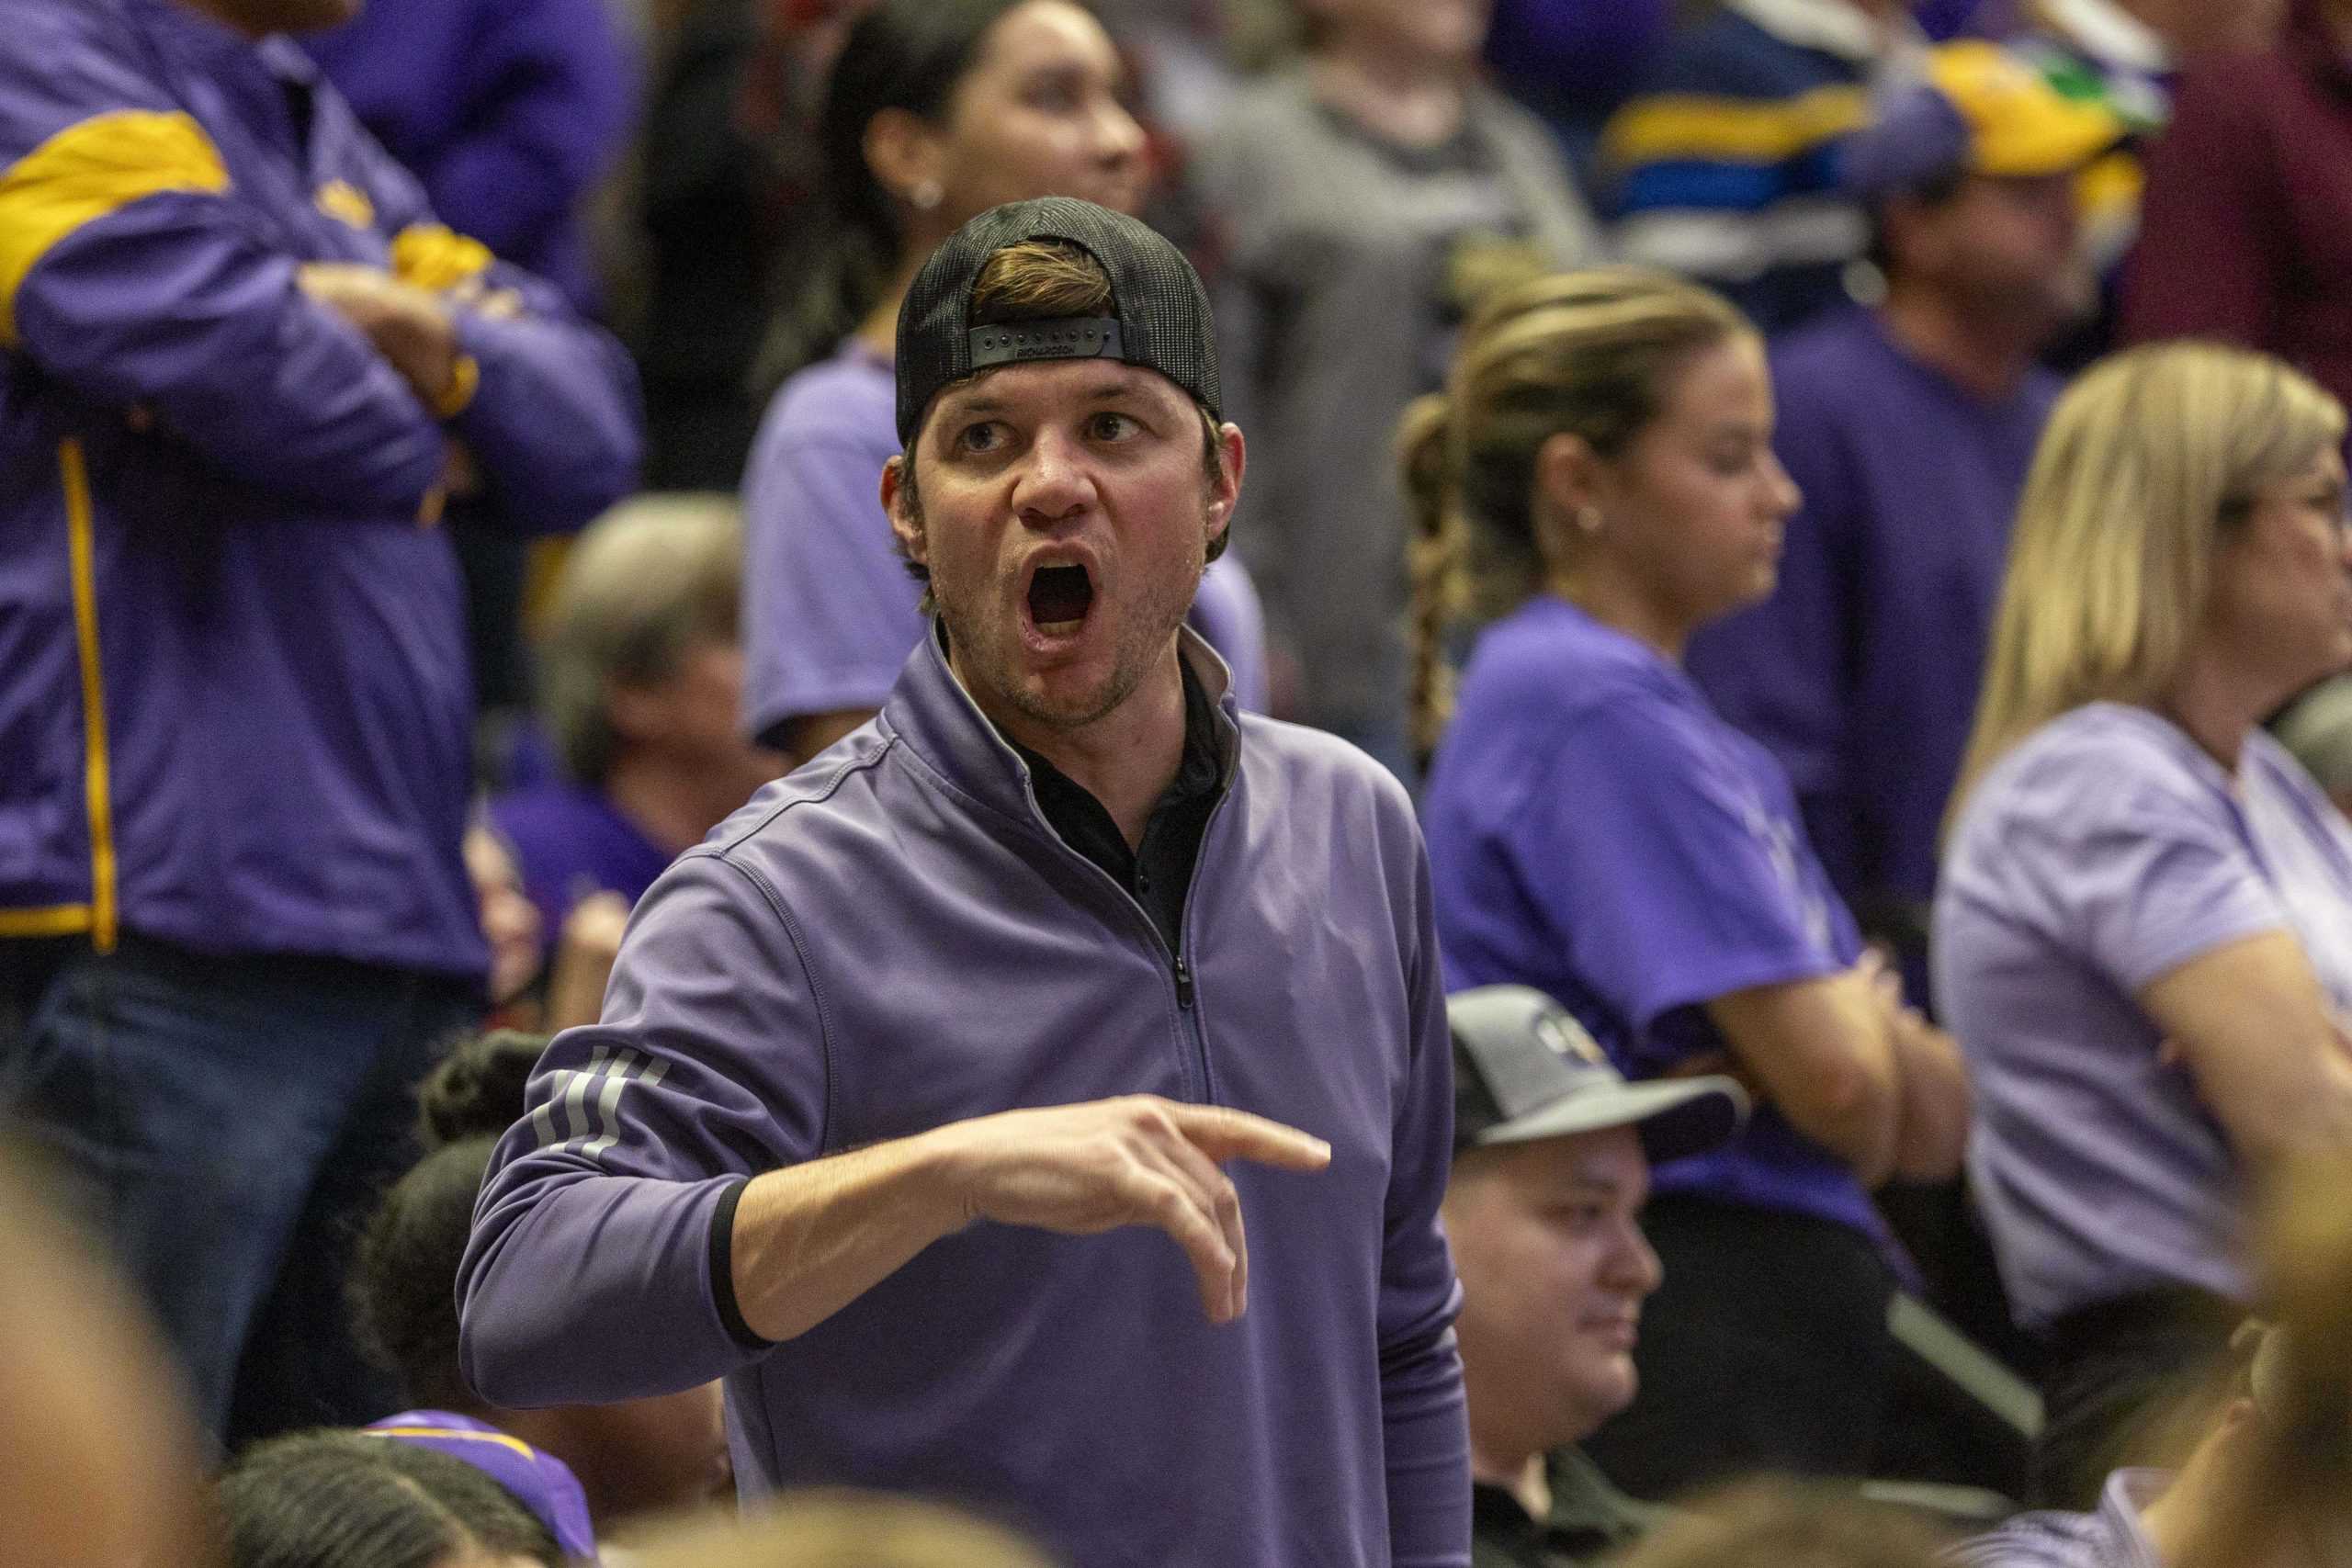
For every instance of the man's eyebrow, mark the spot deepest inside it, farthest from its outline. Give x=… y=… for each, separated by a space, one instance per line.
x=972 y=403
x=980 y=403
x=1607 y=1185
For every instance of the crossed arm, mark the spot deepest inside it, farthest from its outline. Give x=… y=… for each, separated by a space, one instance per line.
x=2271 y=1059
x=1855 y=1069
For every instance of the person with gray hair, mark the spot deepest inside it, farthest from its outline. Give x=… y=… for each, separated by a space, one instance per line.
x=641 y=675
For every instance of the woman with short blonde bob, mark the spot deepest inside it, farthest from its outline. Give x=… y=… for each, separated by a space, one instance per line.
x=1597 y=481
x=2144 y=931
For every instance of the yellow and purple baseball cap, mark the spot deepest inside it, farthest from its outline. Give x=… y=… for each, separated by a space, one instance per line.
x=1976 y=109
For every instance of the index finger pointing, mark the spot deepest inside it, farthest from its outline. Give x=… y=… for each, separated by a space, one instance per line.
x=1222 y=1134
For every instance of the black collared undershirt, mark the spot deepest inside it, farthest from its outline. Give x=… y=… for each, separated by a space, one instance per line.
x=1160 y=872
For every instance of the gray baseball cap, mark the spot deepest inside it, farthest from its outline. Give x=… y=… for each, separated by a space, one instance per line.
x=1524 y=1069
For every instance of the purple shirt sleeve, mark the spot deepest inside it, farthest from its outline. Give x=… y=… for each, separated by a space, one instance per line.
x=2141 y=876
x=556 y=426
x=829 y=612
x=1425 y=1432
x=1655 y=850
x=709 y=1066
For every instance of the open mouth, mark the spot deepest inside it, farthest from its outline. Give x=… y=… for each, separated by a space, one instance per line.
x=1059 y=597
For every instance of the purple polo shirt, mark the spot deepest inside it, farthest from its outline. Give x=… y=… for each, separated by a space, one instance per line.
x=537 y=1479
x=1861 y=671
x=829 y=611
x=2103 y=853
x=568 y=841
x=1596 y=832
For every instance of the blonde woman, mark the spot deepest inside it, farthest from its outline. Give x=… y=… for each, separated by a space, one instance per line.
x=2144 y=932
x=1597 y=481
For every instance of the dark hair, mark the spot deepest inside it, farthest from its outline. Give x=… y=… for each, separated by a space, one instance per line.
x=902 y=54
x=1042 y=280
x=334 y=1499
x=479 y=1086
x=403 y=1274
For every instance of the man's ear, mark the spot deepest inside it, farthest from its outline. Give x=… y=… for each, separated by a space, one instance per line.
x=1224 y=492
x=904 y=524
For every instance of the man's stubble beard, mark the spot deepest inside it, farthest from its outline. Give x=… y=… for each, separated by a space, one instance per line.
x=1136 y=645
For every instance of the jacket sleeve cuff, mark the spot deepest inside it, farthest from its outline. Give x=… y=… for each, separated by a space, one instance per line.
x=722 y=1271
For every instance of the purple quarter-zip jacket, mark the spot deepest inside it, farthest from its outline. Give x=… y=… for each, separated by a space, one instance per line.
x=234 y=702
x=892 y=938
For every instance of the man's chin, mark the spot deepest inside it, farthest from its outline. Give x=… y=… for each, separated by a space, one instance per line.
x=1065 y=698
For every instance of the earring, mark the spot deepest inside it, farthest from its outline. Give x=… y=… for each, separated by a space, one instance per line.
x=1589 y=519
x=926 y=195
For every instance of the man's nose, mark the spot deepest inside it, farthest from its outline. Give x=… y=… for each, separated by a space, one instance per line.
x=1118 y=139
x=1638 y=1269
x=1055 y=480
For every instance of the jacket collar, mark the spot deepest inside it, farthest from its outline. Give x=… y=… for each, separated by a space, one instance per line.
x=935 y=717
x=255 y=75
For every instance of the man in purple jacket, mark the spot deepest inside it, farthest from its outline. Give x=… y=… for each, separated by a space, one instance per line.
x=242 y=366
x=908 y=1108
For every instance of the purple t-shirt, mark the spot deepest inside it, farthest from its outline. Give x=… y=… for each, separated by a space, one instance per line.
x=1861 y=671
x=2104 y=852
x=1597 y=832
x=829 y=612
x=569 y=841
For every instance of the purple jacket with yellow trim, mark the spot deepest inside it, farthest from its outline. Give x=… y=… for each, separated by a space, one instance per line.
x=234 y=705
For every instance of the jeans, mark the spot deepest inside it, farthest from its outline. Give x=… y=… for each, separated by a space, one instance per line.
x=225 y=1123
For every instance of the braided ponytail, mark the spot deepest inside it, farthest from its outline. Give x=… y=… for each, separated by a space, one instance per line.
x=1424 y=458
x=1589 y=353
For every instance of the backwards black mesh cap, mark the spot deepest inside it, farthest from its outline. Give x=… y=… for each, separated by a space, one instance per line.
x=1162 y=319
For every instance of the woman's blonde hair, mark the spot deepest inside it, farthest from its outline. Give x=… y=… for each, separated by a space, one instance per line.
x=1592 y=354
x=2145 y=459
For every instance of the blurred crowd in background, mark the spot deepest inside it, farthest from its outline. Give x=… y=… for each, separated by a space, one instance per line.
x=2021 y=818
